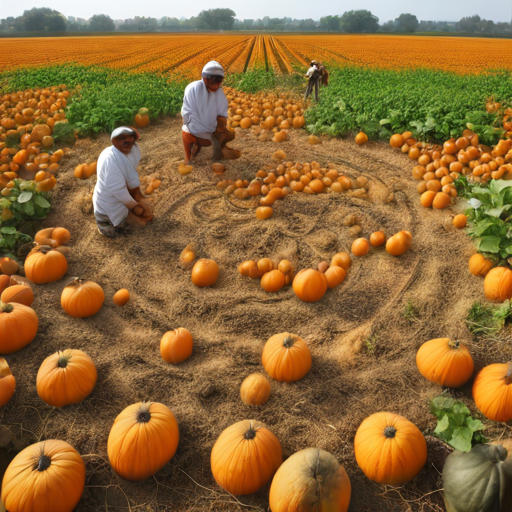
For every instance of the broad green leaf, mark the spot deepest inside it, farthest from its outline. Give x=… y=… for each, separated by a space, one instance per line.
x=489 y=244
x=41 y=201
x=461 y=439
x=474 y=425
x=8 y=230
x=24 y=197
x=442 y=425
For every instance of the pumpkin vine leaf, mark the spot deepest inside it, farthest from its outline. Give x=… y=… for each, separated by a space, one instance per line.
x=455 y=425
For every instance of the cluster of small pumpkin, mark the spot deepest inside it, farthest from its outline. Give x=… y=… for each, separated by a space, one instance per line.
x=287 y=177
x=27 y=121
x=439 y=166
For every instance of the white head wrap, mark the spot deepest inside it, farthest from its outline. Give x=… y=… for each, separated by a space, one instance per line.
x=124 y=130
x=213 y=68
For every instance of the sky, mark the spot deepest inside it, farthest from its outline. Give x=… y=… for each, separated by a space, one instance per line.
x=436 y=10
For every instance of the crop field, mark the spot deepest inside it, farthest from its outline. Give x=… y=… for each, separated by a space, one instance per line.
x=185 y=55
x=342 y=284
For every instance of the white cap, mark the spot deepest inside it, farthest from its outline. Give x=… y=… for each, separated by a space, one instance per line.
x=124 y=130
x=213 y=68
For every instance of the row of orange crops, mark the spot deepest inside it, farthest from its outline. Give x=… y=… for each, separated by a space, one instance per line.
x=185 y=54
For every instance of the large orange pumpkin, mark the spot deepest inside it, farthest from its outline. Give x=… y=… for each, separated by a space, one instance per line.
x=255 y=389
x=311 y=480
x=478 y=265
x=7 y=382
x=360 y=247
x=66 y=377
x=45 y=265
x=81 y=298
x=335 y=275
x=142 y=440
x=286 y=357
x=445 y=362
x=389 y=448
x=498 y=284
x=272 y=281
x=176 y=346
x=399 y=243
x=492 y=391
x=44 y=477
x=245 y=457
x=18 y=327
x=309 y=285
x=205 y=273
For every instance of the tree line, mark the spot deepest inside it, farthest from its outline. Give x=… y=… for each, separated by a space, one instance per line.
x=359 y=21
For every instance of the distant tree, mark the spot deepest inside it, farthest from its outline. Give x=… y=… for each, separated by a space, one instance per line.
x=41 y=19
x=101 y=23
x=330 y=24
x=406 y=23
x=359 y=21
x=389 y=26
x=216 y=19
x=56 y=23
x=469 y=23
x=308 y=25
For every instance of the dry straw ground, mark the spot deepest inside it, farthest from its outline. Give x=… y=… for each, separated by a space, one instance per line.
x=363 y=344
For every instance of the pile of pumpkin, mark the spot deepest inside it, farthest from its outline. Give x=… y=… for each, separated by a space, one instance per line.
x=269 y=115
x=439 y=166
x=288 y=177
x=27 y=121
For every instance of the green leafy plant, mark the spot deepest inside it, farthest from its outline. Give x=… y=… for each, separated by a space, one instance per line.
x=11 y=240
x=24 y=203
x=372 y=341
x=486 y=319
x=410 y=312
x=455 y=425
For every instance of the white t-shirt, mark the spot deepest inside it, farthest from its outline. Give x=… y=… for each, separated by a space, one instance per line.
x=117 y=173
x=201 y=108
x=311 y=70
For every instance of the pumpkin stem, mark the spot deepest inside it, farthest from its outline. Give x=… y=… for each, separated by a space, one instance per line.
x=43 y=463
x=63 y=361
x=508 y=376
x=250 y=434
x=454 y=344
x=75 y=281
x=45 y=249
x=143 y=415
x=289 y=341
x=390 y=432
x=6 y=308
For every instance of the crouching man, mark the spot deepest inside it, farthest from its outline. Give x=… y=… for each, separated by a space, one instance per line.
x=205 y=115
x=117 y=198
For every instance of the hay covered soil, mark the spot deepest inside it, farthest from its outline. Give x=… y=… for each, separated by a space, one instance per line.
x=363 y=334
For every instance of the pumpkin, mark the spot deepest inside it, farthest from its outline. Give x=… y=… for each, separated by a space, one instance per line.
x=460 y=221
x=45 y=265
x=342 y=259
x=478 y=265
x=479 y=480
x=245 y=457
x=185 y=169
x=361 y=138
x=66 y=377
x=255 y=389
x=335 y=275
x=39 y=131
x=205 y=273
x=46 y=476
x=18 y=293
x=360 y=247
x=187 y=256
x=399 y=243
x=311 y=480
x=8 y=382
x=396 y=141
x=141 y=120
x=272 y=281
x=218 y=168
x=121 y=297
x=286 y=357
x=441 y=201
x=309 y=285
x=265 y=265
x=445 y=362
x=176 y=346
x=264 y=212
x=81 y=298
x=377 y=238
x=492 y=391
x=249 y=269
x=285 y=267
x=8 y=266
x=142 y=440
x=61 y=236
x=18 y=327
x=5 y=282
x=322 y=267
x=389 y=448
x=498 y=284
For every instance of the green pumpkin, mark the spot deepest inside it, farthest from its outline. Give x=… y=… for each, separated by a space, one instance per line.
x=479 y=480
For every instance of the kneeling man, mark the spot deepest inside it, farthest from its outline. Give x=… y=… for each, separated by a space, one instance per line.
x=205 y=114
x=117 y=198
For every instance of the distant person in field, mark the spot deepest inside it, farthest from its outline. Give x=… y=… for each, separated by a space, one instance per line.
x=205 y=114
x=117 y=199
x=316 y=74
